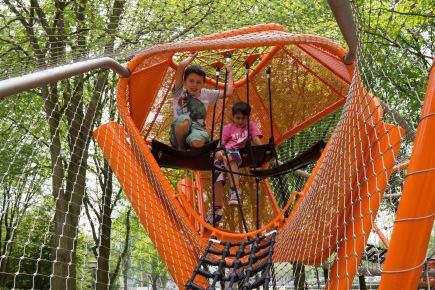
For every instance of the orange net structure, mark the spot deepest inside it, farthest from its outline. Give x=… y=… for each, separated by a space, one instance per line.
x=329 y=219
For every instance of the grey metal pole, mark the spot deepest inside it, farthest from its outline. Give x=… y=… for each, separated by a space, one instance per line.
x=37 y=79
x=343 y=15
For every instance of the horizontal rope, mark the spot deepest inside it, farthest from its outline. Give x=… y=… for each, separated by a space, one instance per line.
x=414 y=218
x=426 y=117
x=420 y=171
x=404 y=270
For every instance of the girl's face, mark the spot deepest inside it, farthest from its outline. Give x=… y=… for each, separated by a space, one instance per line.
x=240 y=120
x=193 y=84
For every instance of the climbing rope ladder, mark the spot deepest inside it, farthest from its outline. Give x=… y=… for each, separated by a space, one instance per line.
x=250 y=266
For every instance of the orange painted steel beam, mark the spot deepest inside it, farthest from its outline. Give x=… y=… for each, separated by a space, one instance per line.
x=362 y=214
x=162 y=103
x=142 y=88
x=224 y=235
x=415 y=216
x=178 y=250
x=313 y=73
x=317 y=55
x=401 y=166
x=269 y=192
x=275 y=129
x=200 y=200
x=332 y=108
x=243 y=30
x=255 y=70
x=262 y=64
x=381 y=235
x=280 y=39
x=185 y=186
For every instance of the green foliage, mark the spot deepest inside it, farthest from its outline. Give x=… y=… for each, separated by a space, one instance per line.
x=397 y=46
x=143 y=264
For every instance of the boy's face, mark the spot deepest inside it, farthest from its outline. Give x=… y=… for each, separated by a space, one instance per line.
x=240 y=120
x=193 y=84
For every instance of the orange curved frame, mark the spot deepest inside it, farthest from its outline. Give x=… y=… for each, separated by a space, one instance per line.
x=133 y=163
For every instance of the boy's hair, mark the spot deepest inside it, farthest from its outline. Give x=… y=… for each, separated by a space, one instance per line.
x=194 y=69
x=242 y=108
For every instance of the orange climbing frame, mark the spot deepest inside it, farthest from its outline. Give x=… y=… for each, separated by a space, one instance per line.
x=178 y=231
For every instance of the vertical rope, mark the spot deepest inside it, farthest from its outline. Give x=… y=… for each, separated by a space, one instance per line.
x=237 y=193
x=248 y=142
x=223 y=107
x=257 y=215
x=213 y=178
x=272 y=137
x=215 y=104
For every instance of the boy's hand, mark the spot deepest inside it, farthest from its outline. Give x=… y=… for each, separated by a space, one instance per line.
x=188 y=60
x=229 y=66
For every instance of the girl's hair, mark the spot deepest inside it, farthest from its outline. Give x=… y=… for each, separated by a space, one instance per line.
x=242 y=108
x=194 y=69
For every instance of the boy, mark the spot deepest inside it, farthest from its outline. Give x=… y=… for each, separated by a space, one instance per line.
x=234 y=137
x=190 y=103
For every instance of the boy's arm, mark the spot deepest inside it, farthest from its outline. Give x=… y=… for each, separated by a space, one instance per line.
x=230 y=81
x=180 y=70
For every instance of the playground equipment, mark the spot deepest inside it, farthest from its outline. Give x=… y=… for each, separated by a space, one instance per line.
x=333 y=151
x=336 y=209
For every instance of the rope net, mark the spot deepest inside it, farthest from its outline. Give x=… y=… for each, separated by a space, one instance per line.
x=84 y=204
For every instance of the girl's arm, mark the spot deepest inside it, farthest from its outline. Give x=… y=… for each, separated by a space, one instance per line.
x=257 y=140
x=180 y=70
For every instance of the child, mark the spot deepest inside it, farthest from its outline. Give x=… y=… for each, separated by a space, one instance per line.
x=234 y=137
x=190 y=103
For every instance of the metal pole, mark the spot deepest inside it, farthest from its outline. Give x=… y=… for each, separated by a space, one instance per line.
x=37 y=79
x=343 y=15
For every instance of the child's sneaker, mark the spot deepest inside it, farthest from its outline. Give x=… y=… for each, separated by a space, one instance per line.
x=217 y=216
x=234 y=201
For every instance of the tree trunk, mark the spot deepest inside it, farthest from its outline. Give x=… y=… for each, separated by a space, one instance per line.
x=68 y=207
x=154 y=284
x=125 y=272
x=325 y=272
x=68 y=203
x=299 y=275
x=105 y=232
x=362 y=283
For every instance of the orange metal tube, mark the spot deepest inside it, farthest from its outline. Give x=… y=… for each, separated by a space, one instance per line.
x=332 y=108
x=401 y=166
x=334 y=70
x=150 y=127
x=197 y=45
x=236 y=237
x=313 y=73
x=381 y=235
x=269 y=192
x=415 y=217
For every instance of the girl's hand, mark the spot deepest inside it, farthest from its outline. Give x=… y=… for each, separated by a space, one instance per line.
x=219 y=155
